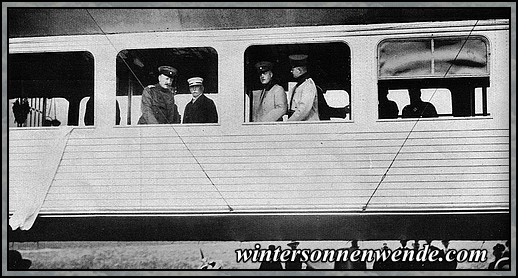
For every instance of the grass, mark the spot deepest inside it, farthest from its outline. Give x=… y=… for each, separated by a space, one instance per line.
x=185 y=255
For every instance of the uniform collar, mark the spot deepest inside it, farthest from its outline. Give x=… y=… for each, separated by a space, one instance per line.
x=196 y=98
x=269 y=85
x=302 y=78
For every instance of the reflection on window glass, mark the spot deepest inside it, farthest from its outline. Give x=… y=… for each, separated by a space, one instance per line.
x=438 y=57
x=469 y=57
x=47 y=89
x=297 y=82
x=433 y=77
x=153 y=86
x=405 y=58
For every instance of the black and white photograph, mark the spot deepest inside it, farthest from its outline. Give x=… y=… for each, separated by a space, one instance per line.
x=259 y=138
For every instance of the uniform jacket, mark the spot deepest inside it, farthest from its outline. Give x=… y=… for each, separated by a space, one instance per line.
x=158 y=106
x=203 y=110
x=387 y=109
x=419 y=110
x=304 y=102
x=271 y=104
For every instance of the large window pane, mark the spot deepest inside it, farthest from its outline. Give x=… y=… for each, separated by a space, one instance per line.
x=49 y=89
x=439 y=76
x=138 y=69
x=328 y=65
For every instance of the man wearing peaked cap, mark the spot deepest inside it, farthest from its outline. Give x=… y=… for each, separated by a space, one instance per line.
x=303 y=103
x=195 y=81
x=270 y=103
x=298 y=60
x=263 y=66
x=271 y=263
x=158 y=106
x=297 y=262
x=200 y=109
x=293 y=244
x=168 y=71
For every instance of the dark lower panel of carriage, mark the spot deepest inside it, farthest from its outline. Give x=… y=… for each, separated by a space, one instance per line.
x=243 y=227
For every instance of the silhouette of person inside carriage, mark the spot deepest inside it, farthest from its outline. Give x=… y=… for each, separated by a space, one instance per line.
x=89 y=112
x=418 y=108
x=21 y=110
x=387 y=109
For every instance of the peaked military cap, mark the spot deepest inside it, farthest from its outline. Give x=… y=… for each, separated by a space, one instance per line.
x=263 y=66
x=195 y=81
x=293 y=243
x=167 y=71
x=298 y=60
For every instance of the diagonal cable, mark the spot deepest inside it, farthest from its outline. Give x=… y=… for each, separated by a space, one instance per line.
x=176 y=132
x=413 y=127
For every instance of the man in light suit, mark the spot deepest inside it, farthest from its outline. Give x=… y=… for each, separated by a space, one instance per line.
x=272 y=103
x=303 y=104
x=200 y=109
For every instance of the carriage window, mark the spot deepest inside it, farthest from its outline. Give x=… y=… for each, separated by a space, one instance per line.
x=157 y=86
x=273 y=72
x=49 y=89
x=433 y=77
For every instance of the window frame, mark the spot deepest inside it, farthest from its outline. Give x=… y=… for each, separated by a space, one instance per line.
x=484 y=101
x=249 y=64
x=154 y=77
x=89 y=65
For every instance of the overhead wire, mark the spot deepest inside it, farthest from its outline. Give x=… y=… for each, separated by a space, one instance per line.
x=176 y=132
x=364 y=208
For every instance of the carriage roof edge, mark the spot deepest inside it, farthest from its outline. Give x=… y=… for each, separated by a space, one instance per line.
x=34 y=22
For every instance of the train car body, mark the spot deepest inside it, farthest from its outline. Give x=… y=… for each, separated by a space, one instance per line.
x=360 y=176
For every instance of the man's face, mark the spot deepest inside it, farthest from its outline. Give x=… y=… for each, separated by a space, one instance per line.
x=165 y=81
x=266 y=77
x=196 y=90
x=296 y=72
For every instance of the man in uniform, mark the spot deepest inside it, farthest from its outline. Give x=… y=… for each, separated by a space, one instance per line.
x=272 y=102
x=200 y=109
x=158 y=105
x=444 y=252
x=418 y=108
x=271 y=264
x=297 y=262
x=303 y=104
x=387 y=109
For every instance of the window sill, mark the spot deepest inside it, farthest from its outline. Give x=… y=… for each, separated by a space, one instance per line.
x=444 y=118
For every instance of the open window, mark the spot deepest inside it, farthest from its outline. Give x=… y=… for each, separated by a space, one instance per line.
x=47 y=89
x=450 y=74
x=329 y=65
x=138 y=68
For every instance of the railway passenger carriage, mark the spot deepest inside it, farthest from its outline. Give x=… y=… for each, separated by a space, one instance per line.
x=356 y=176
